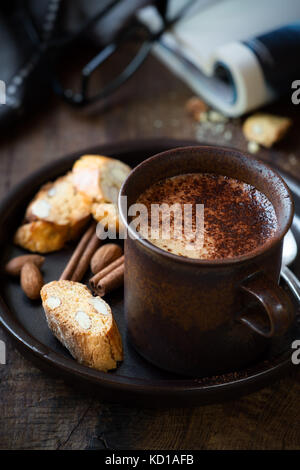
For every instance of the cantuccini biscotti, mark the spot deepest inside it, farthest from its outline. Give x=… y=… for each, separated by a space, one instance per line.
x=57 y=214
x=62 y=204
x=61 y=209
x=84 y=324
x=41 y=236
x=101 y=178
x=265 y=129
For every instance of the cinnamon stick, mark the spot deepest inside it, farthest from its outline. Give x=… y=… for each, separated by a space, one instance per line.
x=111 y=281
x=105 y=271
x=85 y=258
x=73 y=261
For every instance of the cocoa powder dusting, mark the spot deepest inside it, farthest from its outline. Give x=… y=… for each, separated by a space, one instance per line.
x=237 y=217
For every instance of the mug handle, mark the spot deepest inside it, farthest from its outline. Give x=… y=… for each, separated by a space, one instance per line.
x=275 y=302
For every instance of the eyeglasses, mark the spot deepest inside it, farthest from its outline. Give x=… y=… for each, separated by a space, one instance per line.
x=115 y=63
x=107 y=69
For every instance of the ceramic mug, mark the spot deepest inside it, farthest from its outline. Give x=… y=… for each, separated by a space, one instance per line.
x=199 y=317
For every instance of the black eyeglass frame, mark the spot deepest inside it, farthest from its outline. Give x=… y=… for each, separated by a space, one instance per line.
x=80 y=98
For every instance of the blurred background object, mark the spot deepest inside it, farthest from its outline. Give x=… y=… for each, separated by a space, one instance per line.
x=37 y=38
x=237 y=55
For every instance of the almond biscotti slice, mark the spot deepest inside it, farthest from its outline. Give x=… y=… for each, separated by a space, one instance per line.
x=100 y=177
x=41 y=236
x=59 y=202
x=84 y=324
x=266 y=129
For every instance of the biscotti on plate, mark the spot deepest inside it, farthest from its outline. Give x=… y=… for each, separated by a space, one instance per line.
x=84 y=324
x=101 y=179
x=61 y=209
x=41 y=236
x=57 y=214
x=60 y=203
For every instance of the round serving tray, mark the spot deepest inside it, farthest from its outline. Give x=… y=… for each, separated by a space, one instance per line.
x=135 y=380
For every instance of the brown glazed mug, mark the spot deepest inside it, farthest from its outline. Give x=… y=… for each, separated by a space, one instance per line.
x=199 y=317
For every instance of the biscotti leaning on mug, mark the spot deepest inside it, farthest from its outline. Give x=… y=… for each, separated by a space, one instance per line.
x=61 y=209
x=101 y=179
x=83 y=324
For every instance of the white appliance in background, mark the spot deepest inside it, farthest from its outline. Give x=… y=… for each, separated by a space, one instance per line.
x=215 y=49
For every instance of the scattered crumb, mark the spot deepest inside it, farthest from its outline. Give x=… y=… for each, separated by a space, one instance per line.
x=227 y=135
x=293 y=159
x=253 y=147
x=215 y=116
x=219 y=128
x=207 y=125
x=158 y=123
x=200 y=135
x=260 y=129
x=203 y=117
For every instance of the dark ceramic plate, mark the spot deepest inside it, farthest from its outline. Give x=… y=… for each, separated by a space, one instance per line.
x=135 y=380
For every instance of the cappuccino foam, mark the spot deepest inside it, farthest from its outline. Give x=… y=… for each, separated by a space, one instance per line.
x=237 y=217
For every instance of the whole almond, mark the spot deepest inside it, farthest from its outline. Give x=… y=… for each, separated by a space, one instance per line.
x=31 y=280
x=105 y=255
x=14 y=266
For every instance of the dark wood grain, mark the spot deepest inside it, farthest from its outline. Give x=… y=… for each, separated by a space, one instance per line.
x=39 y=412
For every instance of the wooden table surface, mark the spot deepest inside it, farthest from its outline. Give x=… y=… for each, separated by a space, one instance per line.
x=39 y=412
